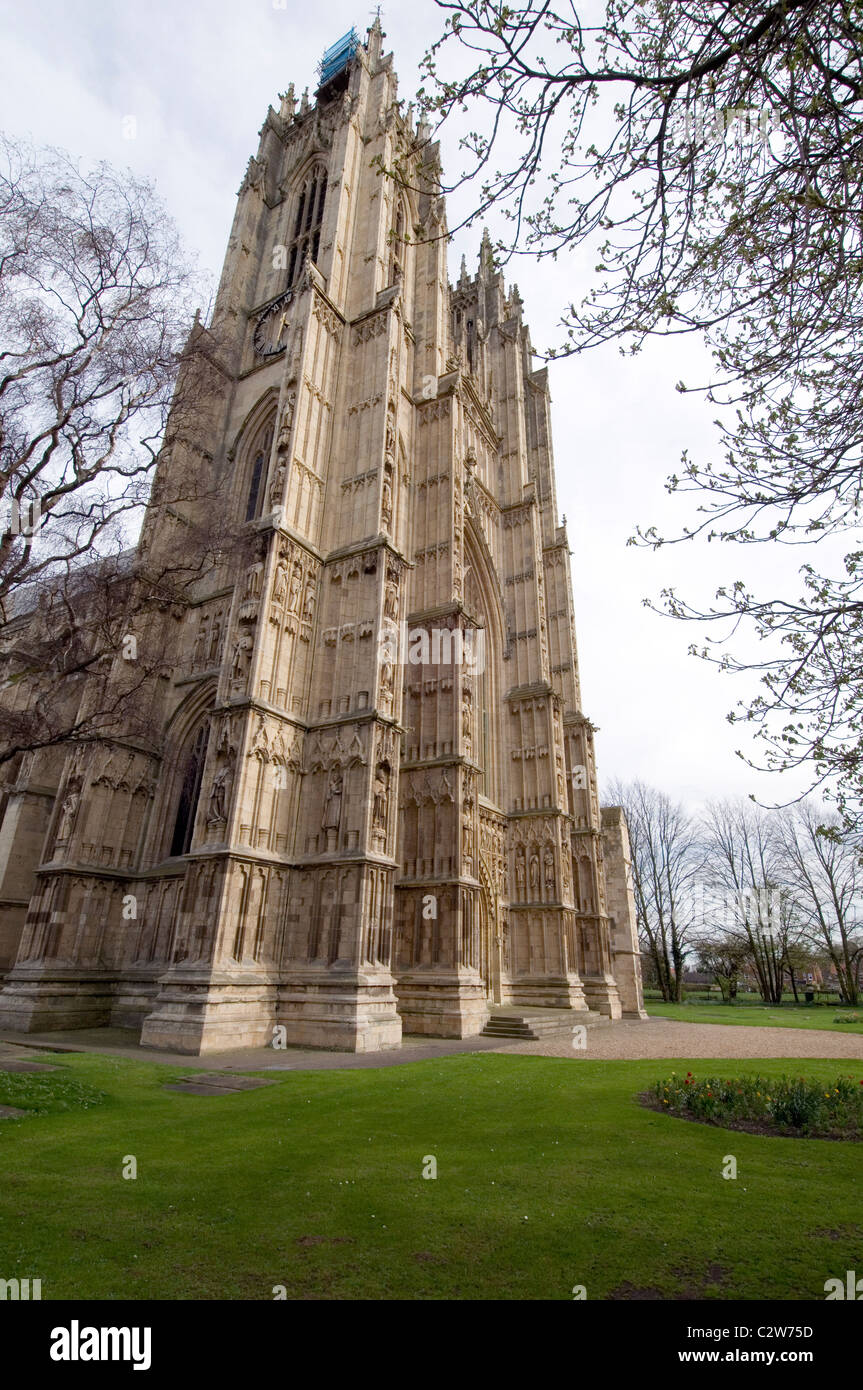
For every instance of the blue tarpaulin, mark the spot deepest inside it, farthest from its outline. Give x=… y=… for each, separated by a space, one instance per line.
x=338 y=56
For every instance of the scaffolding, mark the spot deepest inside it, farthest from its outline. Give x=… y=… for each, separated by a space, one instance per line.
x=337 y=57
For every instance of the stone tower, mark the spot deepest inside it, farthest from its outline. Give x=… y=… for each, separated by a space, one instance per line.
x=373 y=805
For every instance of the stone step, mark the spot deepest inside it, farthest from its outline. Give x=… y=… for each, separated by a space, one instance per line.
x=531 y=1027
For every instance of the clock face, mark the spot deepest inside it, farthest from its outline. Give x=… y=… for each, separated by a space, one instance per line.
x=271 y=330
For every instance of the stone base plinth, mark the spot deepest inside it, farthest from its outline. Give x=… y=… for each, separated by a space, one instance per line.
x=445 y=1004
x=548 y=992
x=210 y=1011
x=135 y=998
x=344 y=1011
x=602 y=995
x=46 y=998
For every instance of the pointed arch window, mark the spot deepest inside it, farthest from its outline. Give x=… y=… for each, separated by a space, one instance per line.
x=258 y=463
x=190 y=792
x=308 y=220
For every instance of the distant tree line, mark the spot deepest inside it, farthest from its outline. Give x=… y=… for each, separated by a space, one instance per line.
x=774 y=896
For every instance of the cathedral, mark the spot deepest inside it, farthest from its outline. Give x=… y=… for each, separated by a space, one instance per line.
x=371 y=808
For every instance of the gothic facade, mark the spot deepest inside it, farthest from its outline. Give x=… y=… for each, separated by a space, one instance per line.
x=373 y=805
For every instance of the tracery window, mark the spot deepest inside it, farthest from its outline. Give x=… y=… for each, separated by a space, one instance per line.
x=190 y=792
x=308 y=219
x=258 y=459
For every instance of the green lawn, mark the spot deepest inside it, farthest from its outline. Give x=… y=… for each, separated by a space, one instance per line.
x=762 y=1015
x=550 y=1174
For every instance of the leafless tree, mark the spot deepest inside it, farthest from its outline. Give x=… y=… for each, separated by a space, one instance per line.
x=824 y=870
x=97 y=347
x=710 y=157
x=666 y=861
x=744 y=876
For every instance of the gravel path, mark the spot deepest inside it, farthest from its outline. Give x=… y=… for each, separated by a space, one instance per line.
x=665 y=1037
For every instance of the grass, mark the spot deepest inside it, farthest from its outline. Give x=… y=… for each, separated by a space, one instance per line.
x=550 y=1174
x=762 y=1015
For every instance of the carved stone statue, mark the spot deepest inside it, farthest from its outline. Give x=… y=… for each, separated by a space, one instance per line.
x=387 y=676
x=519 y=875
x=297 y=354
x=296 y=580
x=240 y=663
x=278 y=484
x=280 y=581
x=198 y=654
x=252 y=588
x=391 y=601
x=287 y=423
x=215 y=640
x=218 y=809
x=309 y=600
x=466 y=721
x=381 y=798
x=333 y=803
x=67 y=819
x=549 y=872
x=534 y=872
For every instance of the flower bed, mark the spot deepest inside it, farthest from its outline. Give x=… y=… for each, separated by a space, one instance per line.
x=790 y=1105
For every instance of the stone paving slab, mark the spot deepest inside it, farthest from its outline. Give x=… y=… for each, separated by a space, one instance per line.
x=190 y=1088
x=15 y=1064
x=220 y=1082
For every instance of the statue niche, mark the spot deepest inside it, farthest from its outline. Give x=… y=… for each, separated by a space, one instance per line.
x=381 y=801
x=332 y=817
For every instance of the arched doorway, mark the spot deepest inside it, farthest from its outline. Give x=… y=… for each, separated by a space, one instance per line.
x=483 y=604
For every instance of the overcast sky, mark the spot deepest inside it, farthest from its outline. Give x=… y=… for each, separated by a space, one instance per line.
x=197 y=77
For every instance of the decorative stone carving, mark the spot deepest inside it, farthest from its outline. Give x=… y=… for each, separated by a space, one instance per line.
x=550 y=879
x=280 y=581
x=71 y=802
x=333 y=803
x=215 y=640
x=309 y=599
x=200 y=648
x=242 y=657
x=534 y=874
x=391 y=597
x=381 y=797
x=277 y=486
x=219 y=796
x=254 y=576
x=286 y=425
x=294 y=591
x=519 y=875
x=386 y=499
